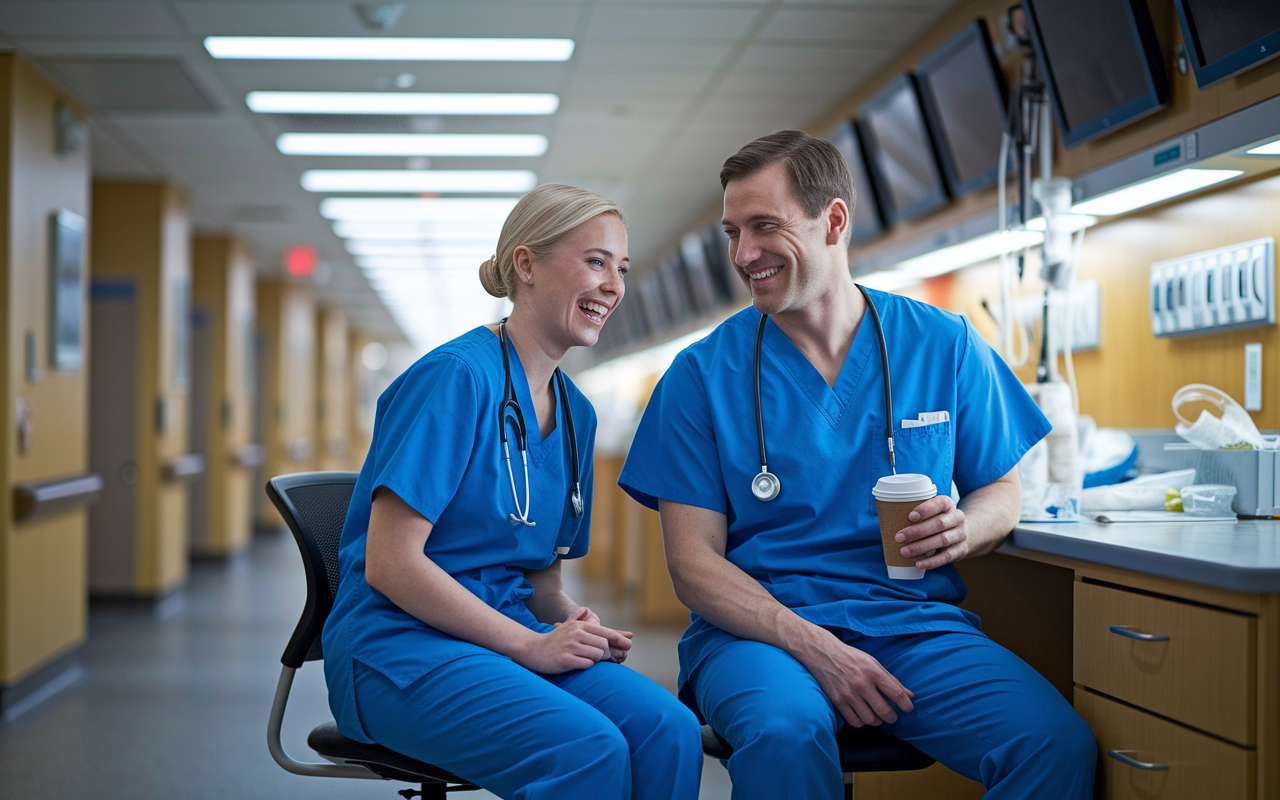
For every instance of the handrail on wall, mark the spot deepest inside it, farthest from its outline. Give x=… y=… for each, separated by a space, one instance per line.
x=32 y=500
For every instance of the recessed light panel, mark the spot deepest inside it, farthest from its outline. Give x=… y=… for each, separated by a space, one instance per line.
x=412 y=144
x=401 y=103
x=380 y=48
x=438 y=209
x=473 y=181
x=1154 y=191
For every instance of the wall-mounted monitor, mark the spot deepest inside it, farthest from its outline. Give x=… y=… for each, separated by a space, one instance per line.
x=693 y=256
x=964 y=98
x=867 y=221
x=1225 y=37
x=1101 y=62
x=900 y=153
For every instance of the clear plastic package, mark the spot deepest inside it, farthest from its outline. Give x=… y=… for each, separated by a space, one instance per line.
x=1209 y=499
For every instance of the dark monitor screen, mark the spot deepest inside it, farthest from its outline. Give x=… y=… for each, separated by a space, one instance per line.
x=1100 y=60
x=964 y=101
x=866 y=215
x=900 y=153
x=1225 y=37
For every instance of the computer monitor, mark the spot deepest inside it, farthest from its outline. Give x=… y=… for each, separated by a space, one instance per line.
x=867 y=221
x=1101 y=63
x=964 y=98
x=900 y=153
x=1225 y=37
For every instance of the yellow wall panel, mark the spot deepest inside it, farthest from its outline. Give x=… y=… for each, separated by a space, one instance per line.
x=42 y=582
x=144 y=242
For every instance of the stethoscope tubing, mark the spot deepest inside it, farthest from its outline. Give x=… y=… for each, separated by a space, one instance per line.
x=766 y=485
x=509 y=403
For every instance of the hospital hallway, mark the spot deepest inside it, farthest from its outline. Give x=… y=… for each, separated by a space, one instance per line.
x=170 y=700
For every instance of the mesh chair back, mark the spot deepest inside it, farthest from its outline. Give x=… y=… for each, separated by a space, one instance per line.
x=314 y=506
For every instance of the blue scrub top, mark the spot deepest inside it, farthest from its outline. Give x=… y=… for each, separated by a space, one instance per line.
x=816 y=547
x=436 y=445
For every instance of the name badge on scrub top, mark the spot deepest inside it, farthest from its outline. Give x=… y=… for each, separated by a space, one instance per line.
x=927 y=418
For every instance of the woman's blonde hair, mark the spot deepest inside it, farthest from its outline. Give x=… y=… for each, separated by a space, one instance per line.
x=539 y=220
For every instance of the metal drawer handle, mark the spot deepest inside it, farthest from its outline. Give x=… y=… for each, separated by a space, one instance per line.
x=1119 y=755
x=1123 y=630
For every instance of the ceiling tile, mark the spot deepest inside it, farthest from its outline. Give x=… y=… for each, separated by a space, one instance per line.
x=117 y=84
x=859 y=59
x=55 y=18
x=630 y=53
x=670 y=22
x=874 y=27
x=472 y=18
x=639 y=83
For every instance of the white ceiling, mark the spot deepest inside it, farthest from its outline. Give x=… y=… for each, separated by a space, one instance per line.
x=657 y=94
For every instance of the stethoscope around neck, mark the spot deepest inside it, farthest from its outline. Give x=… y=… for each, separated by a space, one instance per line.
x=510 y=404
x=766 y=485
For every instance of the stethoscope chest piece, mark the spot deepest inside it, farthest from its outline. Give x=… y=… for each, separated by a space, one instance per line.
x=766 y=486
x=575 y=500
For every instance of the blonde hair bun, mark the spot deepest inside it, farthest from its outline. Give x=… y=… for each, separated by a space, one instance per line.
x=491 y=279
x=538 y=221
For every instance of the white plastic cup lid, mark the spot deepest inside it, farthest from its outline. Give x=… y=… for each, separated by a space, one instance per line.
x=904 y=488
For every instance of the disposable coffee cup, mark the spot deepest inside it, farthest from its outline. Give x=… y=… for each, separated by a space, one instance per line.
x=896 y=497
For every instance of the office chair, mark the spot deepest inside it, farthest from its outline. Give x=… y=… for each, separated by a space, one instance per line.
x=314 y=506
x=864 y=749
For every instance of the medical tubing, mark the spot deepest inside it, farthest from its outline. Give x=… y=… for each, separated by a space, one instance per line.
x=888 y=390
x=764 y=459
x=1069 y=336
x=573 y=438
x=1006 y=292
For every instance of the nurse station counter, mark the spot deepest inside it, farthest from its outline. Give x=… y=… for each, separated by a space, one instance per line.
x=1166 y=638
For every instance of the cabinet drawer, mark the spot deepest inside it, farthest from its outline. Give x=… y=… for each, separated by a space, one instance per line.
x=1196 y=766
x=1189 y=663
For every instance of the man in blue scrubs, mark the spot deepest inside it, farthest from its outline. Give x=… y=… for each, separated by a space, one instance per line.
x=796 y=627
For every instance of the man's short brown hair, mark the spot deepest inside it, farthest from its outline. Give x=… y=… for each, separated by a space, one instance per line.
x=818 y=172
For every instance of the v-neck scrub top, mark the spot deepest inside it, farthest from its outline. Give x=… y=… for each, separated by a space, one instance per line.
x=816 y=547
x=436 y=445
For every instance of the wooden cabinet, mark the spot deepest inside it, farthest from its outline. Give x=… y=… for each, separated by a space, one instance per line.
x=1144 y=756
x=1187 y=662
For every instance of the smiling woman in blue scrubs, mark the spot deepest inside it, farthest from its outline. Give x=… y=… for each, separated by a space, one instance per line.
x=451 y=639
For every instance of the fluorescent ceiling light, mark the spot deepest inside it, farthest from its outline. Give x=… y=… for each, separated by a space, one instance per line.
x=379 y=264
x=1269 y=149
x=887 y=280
x=387 y=48
x=439 y=209
x=367 y=247
x=481 y=181
x=955 y=256
x=401 y=103
x=1069 y=222
x=418 y=231
x=1154 y=191
x=412 y=144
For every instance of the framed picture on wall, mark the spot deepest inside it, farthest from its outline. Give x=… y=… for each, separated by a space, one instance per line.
x=66 y=291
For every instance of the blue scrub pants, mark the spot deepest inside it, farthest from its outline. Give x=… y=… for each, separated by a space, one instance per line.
x=979 y=709
x=602 y=733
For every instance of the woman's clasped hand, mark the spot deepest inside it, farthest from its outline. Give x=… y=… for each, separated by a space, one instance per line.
x=576 y=643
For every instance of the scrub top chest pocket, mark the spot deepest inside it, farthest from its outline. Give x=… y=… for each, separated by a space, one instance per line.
x=926 y=450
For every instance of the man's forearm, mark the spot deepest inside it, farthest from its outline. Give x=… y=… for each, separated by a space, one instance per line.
x=721 y=593
x=991 y=512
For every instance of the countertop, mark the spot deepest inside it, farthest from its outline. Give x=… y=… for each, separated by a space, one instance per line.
x=1241 y=556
